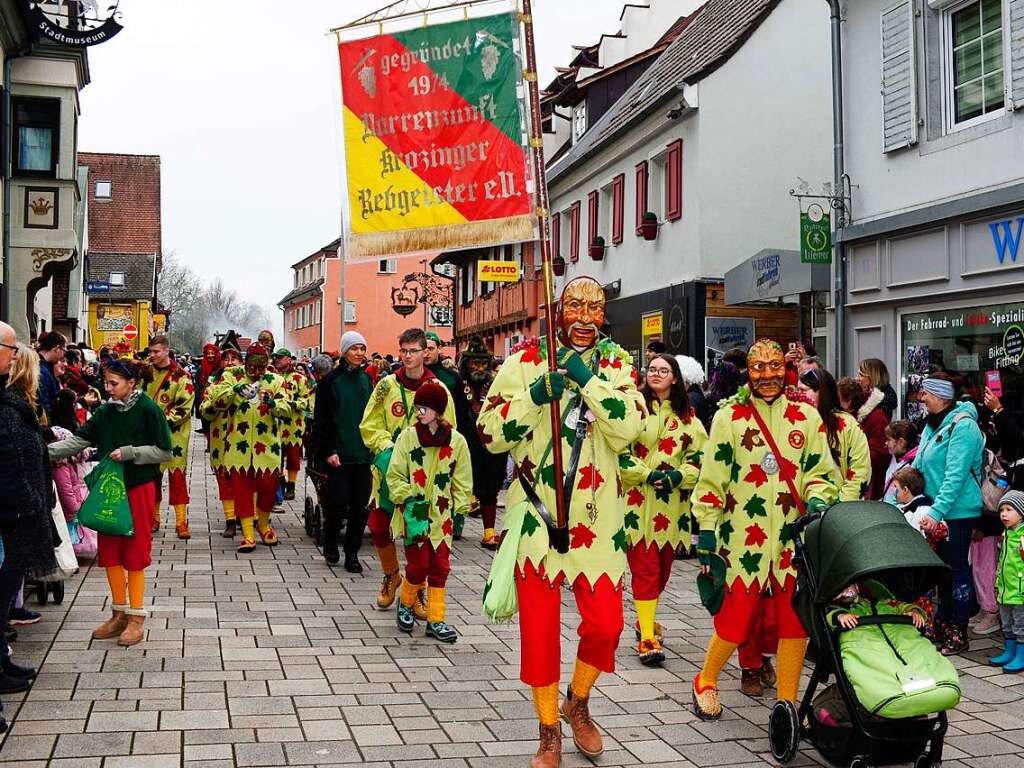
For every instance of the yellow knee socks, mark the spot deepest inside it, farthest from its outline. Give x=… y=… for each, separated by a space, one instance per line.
x=292 y=474
x=118 y=585
x=136 y=588
x=545 y=701
x=645 y=610
x=790 y=661
x=719 y=652
x=156 y=513
x=263 y=516
x=488 y=533
x=247 y=529
x=435 y=604
x=409 y=592
x=388 y=558
x=583 y=678
x=181 y=514
x=229 y=509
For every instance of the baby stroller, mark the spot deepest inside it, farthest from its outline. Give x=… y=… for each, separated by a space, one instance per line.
x=849 y=543
x=312 y=510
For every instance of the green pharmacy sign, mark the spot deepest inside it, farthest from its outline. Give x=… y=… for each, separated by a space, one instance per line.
x=815 y=236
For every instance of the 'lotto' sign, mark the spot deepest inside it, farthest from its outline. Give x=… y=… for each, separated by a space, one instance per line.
x=498 y=271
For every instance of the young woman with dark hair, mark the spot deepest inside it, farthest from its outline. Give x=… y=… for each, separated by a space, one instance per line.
x=901 y=441
x=867 y=408
x=658 y=474
x=846 y=440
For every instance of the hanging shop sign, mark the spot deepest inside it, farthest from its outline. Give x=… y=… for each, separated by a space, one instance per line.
x=498 y=271
x=652 y=325
x=815 y=236
x=434 y=139
x=76 y=23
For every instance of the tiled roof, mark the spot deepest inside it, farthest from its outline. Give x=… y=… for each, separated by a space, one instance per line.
x=138 y=269
x=301 y=293
x=129 y=222
x=707 y=41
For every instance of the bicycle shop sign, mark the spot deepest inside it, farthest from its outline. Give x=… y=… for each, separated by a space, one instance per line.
x=76 y=23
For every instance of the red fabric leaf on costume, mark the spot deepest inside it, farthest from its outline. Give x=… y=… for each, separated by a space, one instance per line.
x=420 y=478
x=741 y=412
x=787 y=469
x=264 y=409
x=786 y=560
x=756 y=475
x=850 y=474
x=189 y=388
x=590 y=478
x=445 y=452
x=756 y=537
x=442 y=504
x=640 y=450
x=581 y=536
x=505 y=408
x=260 y=448
x=446 y=528
x=635 y=498
x=660 y=523
x=667 y=445
x=710 y=498
x=730 y=502
x=531 y=355
x=794 y=414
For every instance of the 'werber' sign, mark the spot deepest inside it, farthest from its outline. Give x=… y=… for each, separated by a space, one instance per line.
x=68 y=22
x=434 y=139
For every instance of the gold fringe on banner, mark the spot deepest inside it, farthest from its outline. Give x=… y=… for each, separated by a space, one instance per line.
x=447 y=237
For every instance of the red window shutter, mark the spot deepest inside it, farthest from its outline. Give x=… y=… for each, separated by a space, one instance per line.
x=641 y=193
x=674 y=181
x=574 y=232
x=591 y=217
x=556 y=232
x=617 y=207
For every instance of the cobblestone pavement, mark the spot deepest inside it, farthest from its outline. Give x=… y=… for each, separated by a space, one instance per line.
x=273 y=659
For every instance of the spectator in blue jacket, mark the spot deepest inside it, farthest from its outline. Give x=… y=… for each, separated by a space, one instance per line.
x=51 y=347
x=950 y=457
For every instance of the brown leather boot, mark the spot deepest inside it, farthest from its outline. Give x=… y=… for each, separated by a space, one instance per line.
x=134 y=632
x=112 y=627
x=549 y=752
x=751 y=683
x=585 y=735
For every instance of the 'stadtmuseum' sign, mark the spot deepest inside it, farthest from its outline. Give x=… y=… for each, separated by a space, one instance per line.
x=73 y=22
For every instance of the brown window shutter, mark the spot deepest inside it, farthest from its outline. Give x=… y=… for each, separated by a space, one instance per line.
x=617 y=207
x=641 y=193
x=556 y=231
x=674 y=181
x=574 y=232
x=591 y=217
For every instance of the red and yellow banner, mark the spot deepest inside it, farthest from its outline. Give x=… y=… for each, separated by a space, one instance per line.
x=434 y=139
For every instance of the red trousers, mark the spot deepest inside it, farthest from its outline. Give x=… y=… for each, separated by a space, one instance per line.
x=293 y=457
x=540 y=602
x=424 y=563
x=133 y=553
x=245 y=484
x=650 y=566
x=379 y=522
x=734 y=623
x=489 y=513
x=764 y=637
x=224 y=489
x=177 y=488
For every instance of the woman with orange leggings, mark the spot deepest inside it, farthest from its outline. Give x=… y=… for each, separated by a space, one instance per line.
x=132 y=429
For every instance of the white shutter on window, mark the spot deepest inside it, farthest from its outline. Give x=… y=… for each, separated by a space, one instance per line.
x=1016 y=79
x=899 y=84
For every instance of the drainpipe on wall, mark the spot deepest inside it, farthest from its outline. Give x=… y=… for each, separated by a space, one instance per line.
x=838 y=183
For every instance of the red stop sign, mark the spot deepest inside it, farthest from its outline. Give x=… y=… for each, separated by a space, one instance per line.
x=130 y=332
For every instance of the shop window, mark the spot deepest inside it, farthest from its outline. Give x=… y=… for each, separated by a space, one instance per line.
x=641 y=193
x=104 y=190
x=36 y=136
x=983 y=345
x=674 y=181
x=618 y=207
x=574 y=232
x=974 y=74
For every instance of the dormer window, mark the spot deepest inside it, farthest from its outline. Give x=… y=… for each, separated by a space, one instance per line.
x=579 y=121
x=117 y=279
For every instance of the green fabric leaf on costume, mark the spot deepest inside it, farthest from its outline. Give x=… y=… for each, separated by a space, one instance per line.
x=513 y=432
x=725 y=531
x=616 y=408
x=530 y=524
x=723 y=453
x=262 y=428
x=810 y=461
x=755 y=507
x=417 y=454
x=664 y=493
x=751 y=561
x=786 y=534
x=441 y=480
x=243 y=446
x=625 y=461
x=487 y=589
x=619 y=540
x=547 y=475
x=178 y=451
x=632 y=521
x=275 y=449
x=243 y=407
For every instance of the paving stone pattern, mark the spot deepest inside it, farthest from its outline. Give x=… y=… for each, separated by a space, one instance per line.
x=273 y=659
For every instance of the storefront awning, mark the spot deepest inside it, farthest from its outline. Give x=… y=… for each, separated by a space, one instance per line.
x=772 y=274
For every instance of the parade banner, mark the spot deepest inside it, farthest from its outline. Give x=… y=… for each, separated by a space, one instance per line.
x=434 y=139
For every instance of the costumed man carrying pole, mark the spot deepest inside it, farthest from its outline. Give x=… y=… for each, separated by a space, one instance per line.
x=209 y=363
x=476 y=367
x=219 y=422
x=600 y=413
x=171 y=388
x=766 y=462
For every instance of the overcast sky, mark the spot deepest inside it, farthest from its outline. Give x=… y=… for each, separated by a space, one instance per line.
x=240 y=100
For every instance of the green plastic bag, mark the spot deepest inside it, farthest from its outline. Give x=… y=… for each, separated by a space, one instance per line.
x=417 y=519
x=501 y=601
x=381 y=462
x=106 y=509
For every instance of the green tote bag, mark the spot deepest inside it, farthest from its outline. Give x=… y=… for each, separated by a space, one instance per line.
x=106 y=508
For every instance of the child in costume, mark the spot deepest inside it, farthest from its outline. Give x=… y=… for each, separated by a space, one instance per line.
x=130 y=428
x=658 y=473
x=430 y=480
x=1009 y=580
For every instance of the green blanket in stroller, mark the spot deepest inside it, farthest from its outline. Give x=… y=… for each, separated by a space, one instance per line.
x=894 y=670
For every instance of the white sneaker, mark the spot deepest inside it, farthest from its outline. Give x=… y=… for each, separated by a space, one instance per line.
x=986 y=624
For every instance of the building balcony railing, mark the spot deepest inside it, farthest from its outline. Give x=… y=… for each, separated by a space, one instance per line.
x=505 y=305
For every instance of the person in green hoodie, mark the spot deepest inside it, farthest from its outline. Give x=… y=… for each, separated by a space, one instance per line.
x=340 y=401
x=950 y=457
x=1010 y=582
